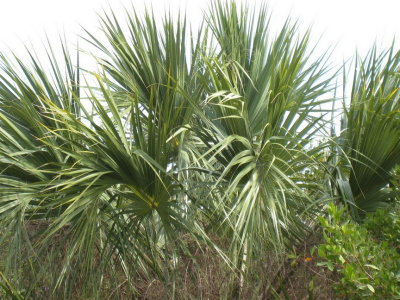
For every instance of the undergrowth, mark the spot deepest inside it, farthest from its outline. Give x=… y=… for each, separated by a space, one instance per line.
x=366 y=256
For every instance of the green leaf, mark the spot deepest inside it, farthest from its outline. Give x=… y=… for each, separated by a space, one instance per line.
x=371 y=288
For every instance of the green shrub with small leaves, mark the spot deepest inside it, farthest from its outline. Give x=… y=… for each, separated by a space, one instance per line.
x=384 y=225
x=367 y=267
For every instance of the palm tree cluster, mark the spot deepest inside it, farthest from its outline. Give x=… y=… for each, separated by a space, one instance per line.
x=181 y=136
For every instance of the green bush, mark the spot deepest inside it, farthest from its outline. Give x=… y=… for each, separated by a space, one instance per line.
x=367 y=267
x=384 y=225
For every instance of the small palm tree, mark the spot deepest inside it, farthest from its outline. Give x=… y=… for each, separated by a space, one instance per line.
x=262 y=111
x=370 y=137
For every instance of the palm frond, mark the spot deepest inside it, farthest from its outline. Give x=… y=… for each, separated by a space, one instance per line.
x=371 y=136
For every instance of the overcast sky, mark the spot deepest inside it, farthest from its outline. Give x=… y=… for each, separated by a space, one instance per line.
x=348 y=24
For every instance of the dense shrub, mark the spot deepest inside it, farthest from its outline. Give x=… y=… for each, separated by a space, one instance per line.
x=384 y=225
x=368 y=267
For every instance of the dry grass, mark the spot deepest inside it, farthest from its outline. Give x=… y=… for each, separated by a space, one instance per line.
x=204 y=275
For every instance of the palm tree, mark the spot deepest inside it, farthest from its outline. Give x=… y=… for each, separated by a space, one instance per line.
x=370 y=139
x=262 y=110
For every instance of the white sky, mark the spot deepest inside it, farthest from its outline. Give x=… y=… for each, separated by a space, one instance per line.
x=348 y=24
